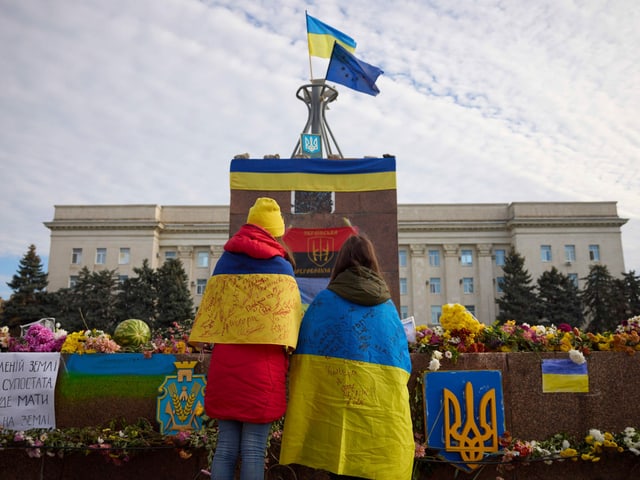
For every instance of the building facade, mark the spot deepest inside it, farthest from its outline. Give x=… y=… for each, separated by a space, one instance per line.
x=447 y=253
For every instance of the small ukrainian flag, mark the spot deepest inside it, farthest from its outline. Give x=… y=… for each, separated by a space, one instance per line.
x=564 y=375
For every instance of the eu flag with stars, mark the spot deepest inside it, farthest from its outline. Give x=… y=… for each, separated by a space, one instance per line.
x=346 y=69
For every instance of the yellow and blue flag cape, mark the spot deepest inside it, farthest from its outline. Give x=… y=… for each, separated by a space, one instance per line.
x=348 y=409
x=564 y=375
x=249 y=300
x=313 y=174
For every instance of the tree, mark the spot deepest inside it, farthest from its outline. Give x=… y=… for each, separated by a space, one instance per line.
x=139 y=295
x=29 y=285
x=94 y=298
x=174 y=299
x=518 y=300
x=631 y=286
x=597 y=298
x=559 y=299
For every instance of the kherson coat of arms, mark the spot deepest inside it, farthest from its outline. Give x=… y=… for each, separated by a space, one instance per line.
x=181 y=400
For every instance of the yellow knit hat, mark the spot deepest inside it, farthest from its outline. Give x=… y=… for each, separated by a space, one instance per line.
x=266 y=214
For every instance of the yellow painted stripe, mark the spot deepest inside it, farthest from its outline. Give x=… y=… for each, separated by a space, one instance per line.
x=311 y=182
x=348 y=417
x=552 y=382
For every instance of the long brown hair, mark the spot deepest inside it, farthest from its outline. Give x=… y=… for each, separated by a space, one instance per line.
x=356 y=251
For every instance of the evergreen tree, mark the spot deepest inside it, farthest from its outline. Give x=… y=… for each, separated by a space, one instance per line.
x=597 y=299
x=139 y=295
x=518 y=300
x=559 y=299
x=632 y=293
x=95 y=298
x=29 y=285
x=174 y=299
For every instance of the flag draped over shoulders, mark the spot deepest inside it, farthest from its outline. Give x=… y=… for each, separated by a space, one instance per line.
x=250 y=298
x=321 y=38
x=348 y=409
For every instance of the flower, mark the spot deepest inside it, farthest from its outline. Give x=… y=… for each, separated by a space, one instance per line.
x=38 y=338
x=576 y=356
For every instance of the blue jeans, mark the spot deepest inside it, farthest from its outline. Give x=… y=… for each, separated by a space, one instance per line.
x=239 y=439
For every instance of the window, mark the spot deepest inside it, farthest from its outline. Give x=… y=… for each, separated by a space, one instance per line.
x=203 y=259
x=471 y=309
x=573 y=278
x=499 y=284
x=170 y=254
x=404 y=311
x=101 y=256
x=122 y=279
x=402 y=258
x=594 y=253
x=466 y=257
x=436 y=312
x=125 y=256
x=403 y=286
x=570 y=253
x=545 y=253
x=434 y=285
x=500 y=256
x=201 y=285
x=434 y=258
x=76 y=256
x=467 y=284
x=73 y=281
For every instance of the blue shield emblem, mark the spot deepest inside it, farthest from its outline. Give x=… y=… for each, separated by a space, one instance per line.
x=181 y=400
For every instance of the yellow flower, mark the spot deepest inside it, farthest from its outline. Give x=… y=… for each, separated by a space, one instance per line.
x=568 y=453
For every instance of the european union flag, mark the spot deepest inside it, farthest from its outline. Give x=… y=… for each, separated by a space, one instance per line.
x=346 y=69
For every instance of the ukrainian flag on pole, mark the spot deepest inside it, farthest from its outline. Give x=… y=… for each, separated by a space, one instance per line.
x=321 y=38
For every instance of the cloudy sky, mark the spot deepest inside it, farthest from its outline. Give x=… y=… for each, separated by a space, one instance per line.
x=146 y=101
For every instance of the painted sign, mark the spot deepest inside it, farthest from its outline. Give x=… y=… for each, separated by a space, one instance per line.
x=27 y=390
x=181 y=400
x=464 y=415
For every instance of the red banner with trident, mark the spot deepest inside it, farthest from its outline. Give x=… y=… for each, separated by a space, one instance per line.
x=315 y=249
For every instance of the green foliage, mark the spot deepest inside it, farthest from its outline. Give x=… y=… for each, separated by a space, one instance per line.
x=559 y=299
x=631 y=287
x=518 y=301
x=139 y=295
x=597 y=298
x=174 y=299
x=27 y=303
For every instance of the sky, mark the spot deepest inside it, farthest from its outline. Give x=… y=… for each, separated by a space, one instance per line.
x=147 y=101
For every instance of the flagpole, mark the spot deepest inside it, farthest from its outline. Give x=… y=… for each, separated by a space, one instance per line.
x=306 y=15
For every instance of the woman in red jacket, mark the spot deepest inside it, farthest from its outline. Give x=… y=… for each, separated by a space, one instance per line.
x=251 y=311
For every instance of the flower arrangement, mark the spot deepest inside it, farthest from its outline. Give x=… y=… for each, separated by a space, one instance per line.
x=38 y=338
x=89 y=341
x=459 y=332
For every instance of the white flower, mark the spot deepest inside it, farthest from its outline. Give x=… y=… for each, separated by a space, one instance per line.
x=565 y=444
x=437 y=354
x=434 y=364
x=576 y=356
x=448 y=354
x=597 y=435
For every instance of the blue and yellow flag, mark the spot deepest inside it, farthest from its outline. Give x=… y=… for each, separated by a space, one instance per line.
x=268 y=294
x=313 y=174
x=564 y=375
x=348 y=409
x=321 y=38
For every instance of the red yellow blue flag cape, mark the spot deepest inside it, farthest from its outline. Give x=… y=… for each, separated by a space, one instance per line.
x=268 y=293
x=348 y=409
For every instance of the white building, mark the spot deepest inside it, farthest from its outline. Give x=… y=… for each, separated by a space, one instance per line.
x=447 y=253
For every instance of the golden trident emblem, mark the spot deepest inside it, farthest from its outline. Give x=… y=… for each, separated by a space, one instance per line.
x=472 y=440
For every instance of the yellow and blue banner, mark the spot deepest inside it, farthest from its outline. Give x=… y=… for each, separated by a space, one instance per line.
x=348 y=409
x=268 y=293
x=313 y=174
x=344 y=68
x=321 y=38
x=564 y=375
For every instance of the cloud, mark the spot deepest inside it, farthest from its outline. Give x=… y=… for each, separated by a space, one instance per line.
x=146 y=102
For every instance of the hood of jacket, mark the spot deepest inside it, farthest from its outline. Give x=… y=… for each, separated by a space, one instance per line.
x=360 y=285
x=255 y=242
